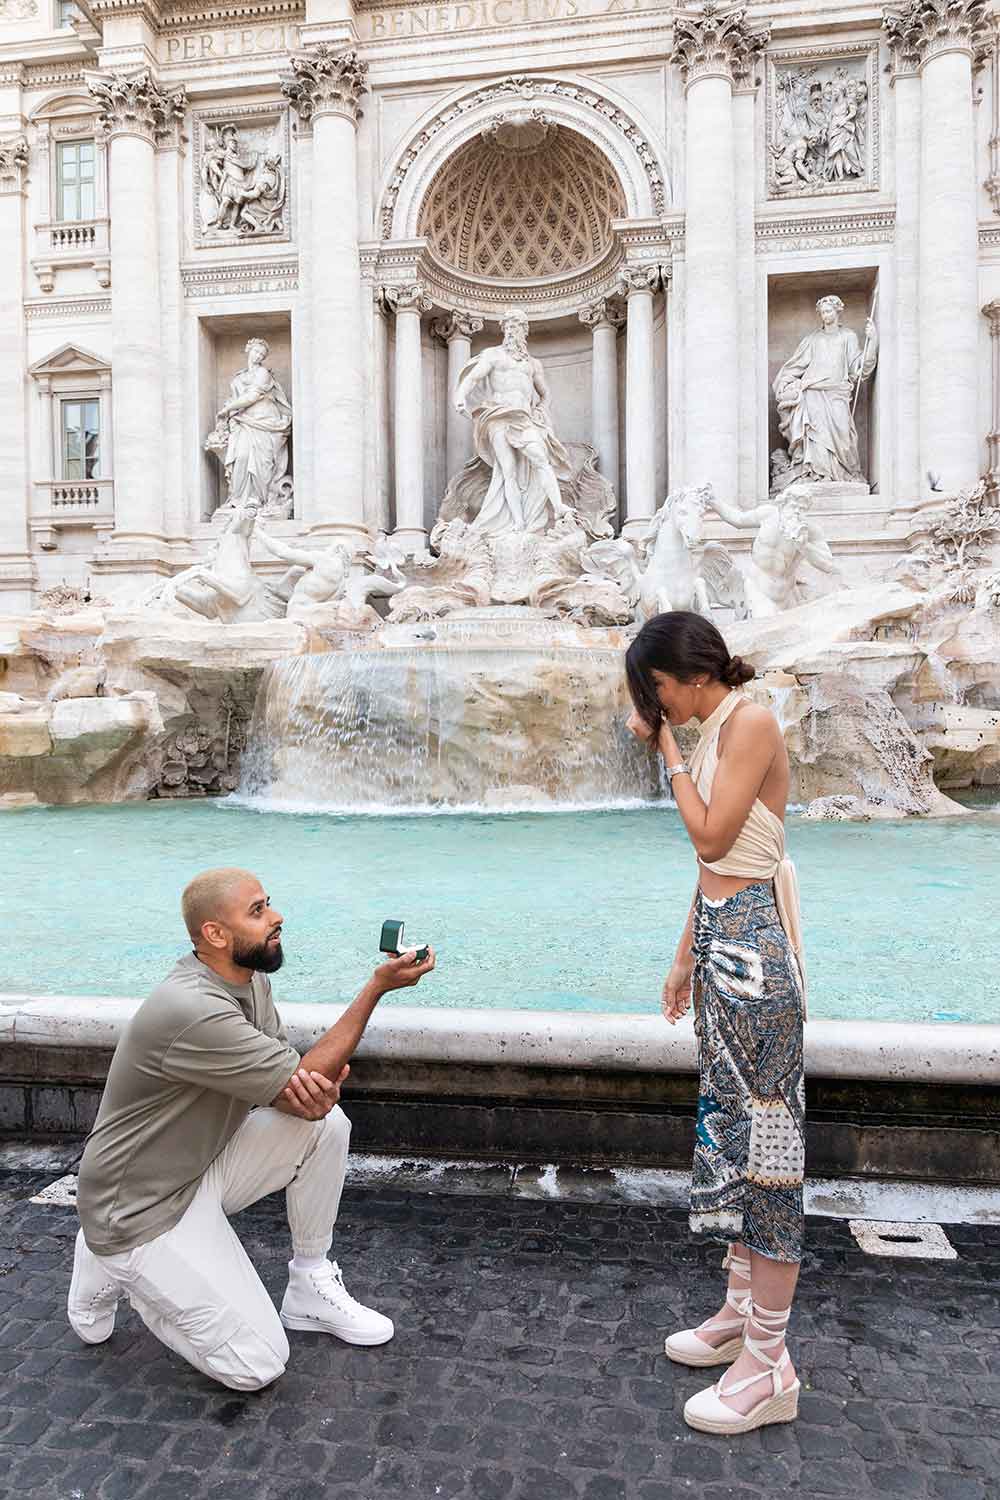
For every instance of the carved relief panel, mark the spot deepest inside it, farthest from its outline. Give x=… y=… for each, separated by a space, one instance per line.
x=242 y=181
x=823 y=120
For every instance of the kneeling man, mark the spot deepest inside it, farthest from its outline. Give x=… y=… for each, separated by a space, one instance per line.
x=179 y=1146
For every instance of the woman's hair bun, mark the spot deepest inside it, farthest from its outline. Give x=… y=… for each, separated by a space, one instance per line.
x=737 y=672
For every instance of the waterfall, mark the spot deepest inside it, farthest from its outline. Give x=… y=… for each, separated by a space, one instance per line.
x=490 y=709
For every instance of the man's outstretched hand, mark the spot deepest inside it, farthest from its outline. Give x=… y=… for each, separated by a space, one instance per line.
x=308 y=1095
x=403 y=972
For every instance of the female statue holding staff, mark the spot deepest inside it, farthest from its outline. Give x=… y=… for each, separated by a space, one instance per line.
x=739 y=956
x=813 y=391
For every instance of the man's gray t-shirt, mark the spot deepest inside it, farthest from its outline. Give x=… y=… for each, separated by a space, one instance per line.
x=188 y=1067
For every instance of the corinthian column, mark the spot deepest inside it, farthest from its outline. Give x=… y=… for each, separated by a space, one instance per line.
x=456 y=332
x=906 y=92
x=15 y=558
x=604 y=318
x=325 y=86
x=714 y=50
x=408 y=302
x=947 y=37
x=637 y=284
x=134 y=114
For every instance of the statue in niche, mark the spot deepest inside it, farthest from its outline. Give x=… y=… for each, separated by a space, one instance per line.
x=786 y=538
x=251 y=436
x=527 y=520
x=814 y=392
x=243 y=190
x=820 y=129
x=331 y=587
x=503 y=390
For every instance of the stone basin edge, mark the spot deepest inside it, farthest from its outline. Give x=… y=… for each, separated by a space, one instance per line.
x=945 y=1052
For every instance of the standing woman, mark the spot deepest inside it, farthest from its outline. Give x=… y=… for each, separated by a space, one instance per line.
x=740 y=956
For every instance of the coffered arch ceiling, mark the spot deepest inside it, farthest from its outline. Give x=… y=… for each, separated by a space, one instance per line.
x=526 y=198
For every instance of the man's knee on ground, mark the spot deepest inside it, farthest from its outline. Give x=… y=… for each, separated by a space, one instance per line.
x=247 y=1362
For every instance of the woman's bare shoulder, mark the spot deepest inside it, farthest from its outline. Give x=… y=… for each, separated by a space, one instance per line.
x=751 y=721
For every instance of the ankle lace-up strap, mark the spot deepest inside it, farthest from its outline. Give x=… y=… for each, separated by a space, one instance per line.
x=738 y=1265
x=774 y=1325
x=740 y=1303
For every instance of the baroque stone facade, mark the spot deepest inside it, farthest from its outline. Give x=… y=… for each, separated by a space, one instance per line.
x=366 y=188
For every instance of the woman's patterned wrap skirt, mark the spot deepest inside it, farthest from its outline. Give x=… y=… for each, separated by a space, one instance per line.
x=749 y=1153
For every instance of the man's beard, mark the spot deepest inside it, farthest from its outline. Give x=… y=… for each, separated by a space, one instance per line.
x=262 y=958
x=794 y=528
x=515 y=341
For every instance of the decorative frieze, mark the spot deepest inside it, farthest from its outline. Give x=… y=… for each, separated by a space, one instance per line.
x=68 y=307
x=240 y=278
x=325 y=80
x=13 y=163
x=716 y=42
x=242 y=182
x=823 y=120
x=925 y=29
x=132 y=104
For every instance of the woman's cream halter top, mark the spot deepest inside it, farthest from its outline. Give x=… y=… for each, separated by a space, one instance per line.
x=759 y=850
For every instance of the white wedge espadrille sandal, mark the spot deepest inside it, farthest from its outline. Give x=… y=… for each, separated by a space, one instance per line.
x=689 y=1348
x=707 y=1413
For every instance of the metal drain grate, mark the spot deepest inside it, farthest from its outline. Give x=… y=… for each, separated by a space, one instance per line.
x=58 y=1194
x=903 y=1241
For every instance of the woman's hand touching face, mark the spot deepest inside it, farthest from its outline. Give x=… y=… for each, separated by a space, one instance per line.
x=637 y=725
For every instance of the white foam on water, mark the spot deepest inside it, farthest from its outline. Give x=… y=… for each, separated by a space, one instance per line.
x=267 y=804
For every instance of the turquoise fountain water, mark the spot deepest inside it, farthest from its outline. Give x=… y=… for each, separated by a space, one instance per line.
x=566 y=911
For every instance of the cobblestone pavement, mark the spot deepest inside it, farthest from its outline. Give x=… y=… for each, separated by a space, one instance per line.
x=526 y=1366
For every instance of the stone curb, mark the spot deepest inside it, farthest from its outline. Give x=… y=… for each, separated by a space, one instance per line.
x=872 y=1050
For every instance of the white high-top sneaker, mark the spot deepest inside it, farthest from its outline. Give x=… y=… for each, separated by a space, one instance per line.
x=93 y=1296
x=318 y=1302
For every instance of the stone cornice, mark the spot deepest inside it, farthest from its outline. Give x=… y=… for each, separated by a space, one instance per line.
x=149 y=11
x=132 y=104
x=13 y=163
x=325 y=80
x=72 y=307
x=874 y=226
x=239 y=278
x=717 y=43
x=925 y=29
x=198 y=16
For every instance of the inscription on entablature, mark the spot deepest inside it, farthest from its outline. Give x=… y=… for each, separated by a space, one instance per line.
x=229 y=41
x=386 y=22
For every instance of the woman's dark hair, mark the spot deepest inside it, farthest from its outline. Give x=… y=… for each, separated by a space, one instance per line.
x=686 y=646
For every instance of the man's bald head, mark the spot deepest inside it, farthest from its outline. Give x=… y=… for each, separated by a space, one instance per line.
x=231 y=922
x=211 y=897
